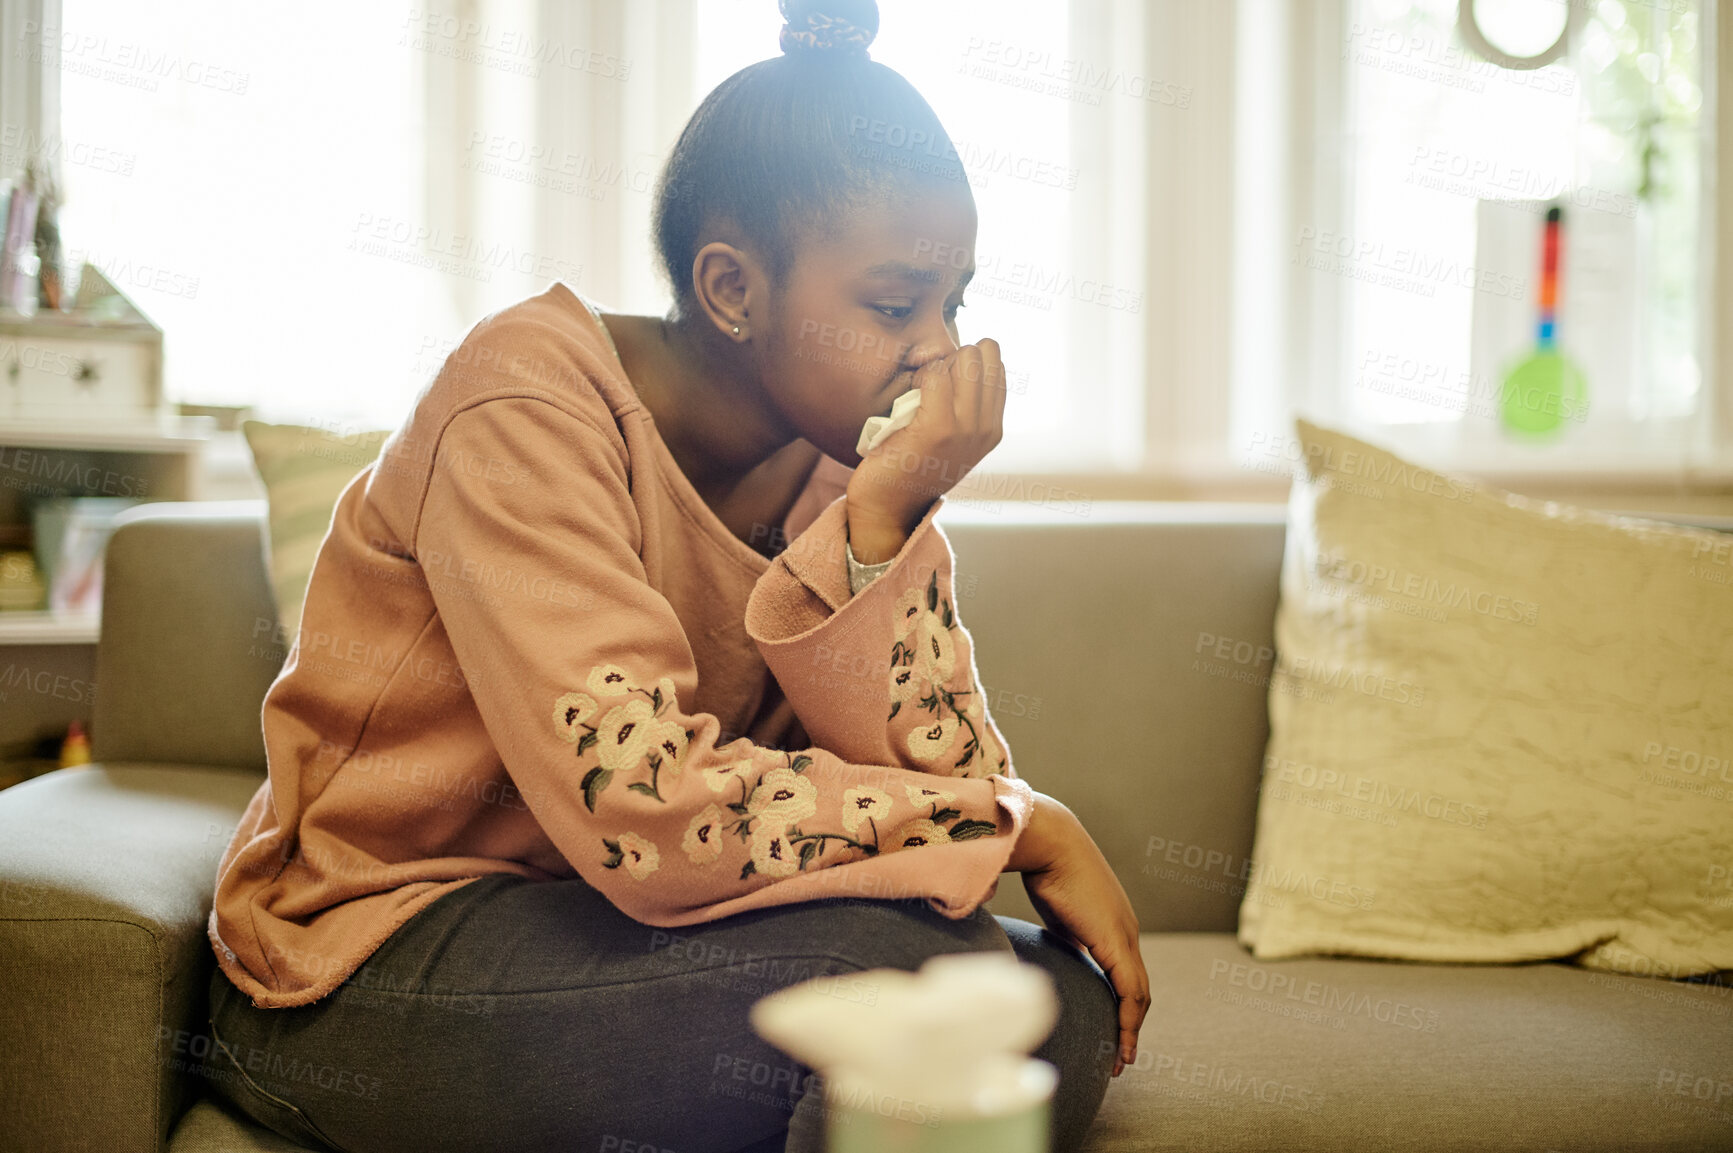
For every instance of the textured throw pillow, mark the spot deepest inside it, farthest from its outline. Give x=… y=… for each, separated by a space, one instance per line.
x=1500 y=729
x=305 y=470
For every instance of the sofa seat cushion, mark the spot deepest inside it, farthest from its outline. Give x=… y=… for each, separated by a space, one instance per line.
x=1331 y=1053
x=214 y=1126
x=106 y=874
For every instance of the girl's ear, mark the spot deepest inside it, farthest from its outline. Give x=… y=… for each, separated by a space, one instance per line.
x=727 y=283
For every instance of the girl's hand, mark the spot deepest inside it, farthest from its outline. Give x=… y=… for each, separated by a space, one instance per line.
x=1075 y=892
x=960 y=420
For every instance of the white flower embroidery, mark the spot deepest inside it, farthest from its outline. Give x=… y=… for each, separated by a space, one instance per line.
x=912 y=834
x=624 y=735
x=906 y=683
x=862 y=803
x=920 y=795
x=782 y=797
x=668 y=740
x=609 y=680
x=928 y=743
x=703 y=842
x=909 y=609
x=721 y=776
x=772 y=855
x=570 y=713
x=935 y=651
x=612 y=680
x=638 y=855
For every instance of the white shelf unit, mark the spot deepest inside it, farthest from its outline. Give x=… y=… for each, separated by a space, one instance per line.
x=43 y=627
x=169 y=434
x=161 y=456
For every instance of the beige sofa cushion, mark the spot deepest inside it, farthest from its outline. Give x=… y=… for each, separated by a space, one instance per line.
x=1500 y=729
x=304 y=471
x=1313 y=1054
x=106 y=873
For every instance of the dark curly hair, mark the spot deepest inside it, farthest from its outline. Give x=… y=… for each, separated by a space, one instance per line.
x=786 y=147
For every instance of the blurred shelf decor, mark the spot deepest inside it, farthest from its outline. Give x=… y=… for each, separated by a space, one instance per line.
x=85 y=433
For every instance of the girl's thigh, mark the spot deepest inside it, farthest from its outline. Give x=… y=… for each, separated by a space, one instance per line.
x=529 y=1015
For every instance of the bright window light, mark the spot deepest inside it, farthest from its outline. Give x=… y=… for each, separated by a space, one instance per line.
x=250 y=150
x=1611 y=130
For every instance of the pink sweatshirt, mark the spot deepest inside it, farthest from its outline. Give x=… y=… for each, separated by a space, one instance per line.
x=529 y=647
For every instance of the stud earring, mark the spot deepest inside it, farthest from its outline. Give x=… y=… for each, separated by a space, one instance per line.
x=737 y=330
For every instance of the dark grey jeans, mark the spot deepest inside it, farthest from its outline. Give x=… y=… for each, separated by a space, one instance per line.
x=534 y=1015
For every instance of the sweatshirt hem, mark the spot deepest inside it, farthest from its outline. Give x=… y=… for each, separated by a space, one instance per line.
x=264 y=997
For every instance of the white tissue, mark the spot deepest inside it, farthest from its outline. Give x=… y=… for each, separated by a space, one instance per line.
x=952 y=1038
x=874 y=431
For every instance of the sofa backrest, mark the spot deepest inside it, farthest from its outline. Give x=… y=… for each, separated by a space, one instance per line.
x=1126 y=657
x=189 y=636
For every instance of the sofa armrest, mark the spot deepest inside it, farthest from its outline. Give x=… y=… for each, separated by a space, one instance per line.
x=106 y=876
x=189 y=637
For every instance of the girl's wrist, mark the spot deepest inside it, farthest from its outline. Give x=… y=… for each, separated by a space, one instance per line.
x=872 y=538
x=1037 y=846
x=876 y=499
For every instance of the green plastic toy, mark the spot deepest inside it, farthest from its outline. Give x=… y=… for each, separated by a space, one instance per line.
x=1544 y=389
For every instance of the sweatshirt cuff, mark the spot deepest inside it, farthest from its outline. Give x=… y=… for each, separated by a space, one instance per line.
x=1016 y=799
x=817 y=560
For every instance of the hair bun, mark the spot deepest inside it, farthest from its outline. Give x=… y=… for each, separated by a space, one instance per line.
x=840 y=27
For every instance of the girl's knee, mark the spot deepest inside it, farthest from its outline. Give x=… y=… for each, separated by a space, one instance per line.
x=1082 y=986
x=904 y=934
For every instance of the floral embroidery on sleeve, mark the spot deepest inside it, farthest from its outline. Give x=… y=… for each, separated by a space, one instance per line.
x=630 y=736
x=961 y=831
x=864 y=804
x=920 y=831
x=923 y=659
x=627 y=737
x=638 y=854
x=703 y=843
x=927 y=830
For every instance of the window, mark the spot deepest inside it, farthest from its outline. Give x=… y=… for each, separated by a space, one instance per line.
x=1452 y=160
x=312 y=223
x=1195 y=217
x=229 y=168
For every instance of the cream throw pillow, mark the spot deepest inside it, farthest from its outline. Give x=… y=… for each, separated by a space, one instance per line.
x=305 y=470
x=1500 y=729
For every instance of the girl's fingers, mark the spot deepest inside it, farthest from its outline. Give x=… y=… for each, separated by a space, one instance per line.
x=966 y=373
x=937 y=389
x=1125 y=972
x=993 y=398
x=1131 y=982
x=1117 y=952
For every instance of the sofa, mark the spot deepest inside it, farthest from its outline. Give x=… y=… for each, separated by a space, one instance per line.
x=106 y=870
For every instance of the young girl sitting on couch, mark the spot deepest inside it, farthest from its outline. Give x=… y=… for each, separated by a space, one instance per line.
x=627 y=691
